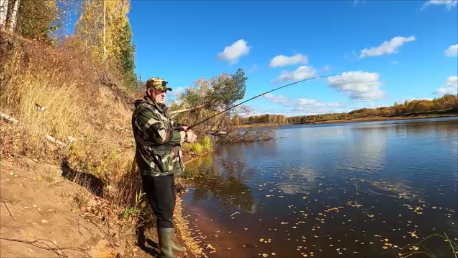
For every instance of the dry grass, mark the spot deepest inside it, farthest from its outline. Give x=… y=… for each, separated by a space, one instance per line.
x=76 y=105
x=81 y=100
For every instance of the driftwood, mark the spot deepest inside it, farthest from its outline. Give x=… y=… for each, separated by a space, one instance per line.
x=48 y=137
x=8 y=118
x=54 y=140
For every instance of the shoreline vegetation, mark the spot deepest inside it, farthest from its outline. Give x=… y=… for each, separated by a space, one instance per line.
x=356 y=120
x=444 y=106
x=68 y=101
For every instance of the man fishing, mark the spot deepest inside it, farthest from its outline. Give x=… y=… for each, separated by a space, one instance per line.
x=159 y=157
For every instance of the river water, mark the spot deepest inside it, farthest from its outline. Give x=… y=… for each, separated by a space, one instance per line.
x=370 y=189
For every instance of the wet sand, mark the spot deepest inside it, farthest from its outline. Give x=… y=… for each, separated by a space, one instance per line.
x=228 y=243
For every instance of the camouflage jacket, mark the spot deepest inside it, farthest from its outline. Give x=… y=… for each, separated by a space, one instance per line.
x=158 y=140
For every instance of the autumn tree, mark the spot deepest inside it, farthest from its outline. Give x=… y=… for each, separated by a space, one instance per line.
x=9 y=10
x=210 y=96
x=104 y=31
x=38 y=19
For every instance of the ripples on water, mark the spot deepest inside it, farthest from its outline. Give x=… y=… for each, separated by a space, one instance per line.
x=336 y=190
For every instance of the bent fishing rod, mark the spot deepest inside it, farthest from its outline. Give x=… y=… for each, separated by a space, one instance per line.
x=257 y=96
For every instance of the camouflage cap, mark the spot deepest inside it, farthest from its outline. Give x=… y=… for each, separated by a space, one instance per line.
x=157 y=83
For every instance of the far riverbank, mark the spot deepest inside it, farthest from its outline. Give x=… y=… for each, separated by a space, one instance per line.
x=368 y=119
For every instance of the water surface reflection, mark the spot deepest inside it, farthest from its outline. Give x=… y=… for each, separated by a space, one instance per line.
x=331 y=190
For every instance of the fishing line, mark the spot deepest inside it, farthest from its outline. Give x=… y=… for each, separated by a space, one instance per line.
x=257 y=96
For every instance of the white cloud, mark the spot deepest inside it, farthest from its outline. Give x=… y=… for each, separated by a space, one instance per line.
x=448 y=3
x=452 y=81
x=394 y=63
x=443 y=91
x=281 y=60
x=387 y=47
x=233 y=52
x=278 y=99
x=303 y=104
x=450 y=87
x=413 y=98
x=451 y=51
x=177 y=92
x=358 y=85
x=326 y=68
x=253 y=69
x=300 y=73
x=245 y=109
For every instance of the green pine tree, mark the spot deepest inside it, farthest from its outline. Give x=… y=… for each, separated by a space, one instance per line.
x=128 y=56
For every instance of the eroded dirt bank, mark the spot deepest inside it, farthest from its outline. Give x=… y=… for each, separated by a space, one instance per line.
x=45 y=215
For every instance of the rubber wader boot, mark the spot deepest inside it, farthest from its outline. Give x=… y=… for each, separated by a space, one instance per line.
x=166 y=244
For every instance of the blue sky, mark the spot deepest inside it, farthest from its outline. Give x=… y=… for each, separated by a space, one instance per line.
x=388 y=50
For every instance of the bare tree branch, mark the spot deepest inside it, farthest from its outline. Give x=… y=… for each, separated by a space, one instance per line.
x=8 y=209
x=43 y=244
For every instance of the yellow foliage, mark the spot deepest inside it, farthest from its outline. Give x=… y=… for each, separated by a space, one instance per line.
x=206 y=144
x=100 y=26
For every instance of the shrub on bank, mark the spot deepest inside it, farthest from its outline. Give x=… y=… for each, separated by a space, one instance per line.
x=203 y=146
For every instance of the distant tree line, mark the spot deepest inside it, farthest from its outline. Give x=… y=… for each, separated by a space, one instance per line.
x=447 y=103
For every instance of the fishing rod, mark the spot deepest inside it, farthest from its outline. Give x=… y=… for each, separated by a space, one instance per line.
x=257 y=96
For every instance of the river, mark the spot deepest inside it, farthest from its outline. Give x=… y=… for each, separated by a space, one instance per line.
x=369 y=189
